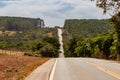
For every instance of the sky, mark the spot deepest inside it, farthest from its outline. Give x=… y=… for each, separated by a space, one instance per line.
x=54 y=12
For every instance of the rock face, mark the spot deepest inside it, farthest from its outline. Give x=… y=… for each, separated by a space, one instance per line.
x=61 y=43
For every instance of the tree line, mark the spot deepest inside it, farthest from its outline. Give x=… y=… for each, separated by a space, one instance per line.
x=18 y=23
x=100 y=46
x=35 y=42
x=105 y=45
x=23 y=34
x=87 y=27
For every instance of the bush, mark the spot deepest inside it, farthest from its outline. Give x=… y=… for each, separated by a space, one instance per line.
x=48 y=51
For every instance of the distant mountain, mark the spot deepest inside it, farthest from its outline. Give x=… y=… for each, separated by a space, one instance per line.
x=20 y=23
x=86 y=27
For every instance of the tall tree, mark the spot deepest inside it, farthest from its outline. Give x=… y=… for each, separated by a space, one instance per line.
x=113 y=5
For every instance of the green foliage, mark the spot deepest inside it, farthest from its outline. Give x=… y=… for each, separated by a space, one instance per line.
x=3 y=44
x=22 y=34
x=48 y=47
x=86 y=28
x=101 y=46
x=48 y=51
x=116 y=21
x=97 y=41
x=53 y=41
x=113 y=5
x=37 y=45
x=18 y=23
x=108 y=5
x=70 y=47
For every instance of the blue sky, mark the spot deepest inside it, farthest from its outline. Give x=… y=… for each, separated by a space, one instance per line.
x=54 y=12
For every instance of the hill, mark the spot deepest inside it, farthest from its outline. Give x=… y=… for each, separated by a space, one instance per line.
x=86 y=28
x=90 y=38
x=29 y=35
x=20 y=23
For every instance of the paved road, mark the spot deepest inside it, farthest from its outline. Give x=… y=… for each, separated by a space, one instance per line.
x=61 y=54
x=77 y=69
x=42 y=72
x=86 y=69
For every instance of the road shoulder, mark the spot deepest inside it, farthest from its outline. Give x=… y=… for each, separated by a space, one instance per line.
x=42 y=72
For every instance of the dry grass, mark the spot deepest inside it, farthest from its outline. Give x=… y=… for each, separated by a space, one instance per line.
x=29 y=67
x=10 y=33
x=50 y=34
x=12 y=52
x=1 y=32
x=16 y=68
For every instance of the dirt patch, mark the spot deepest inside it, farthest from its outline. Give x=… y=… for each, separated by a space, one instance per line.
x=17 y=68
x=10 y=33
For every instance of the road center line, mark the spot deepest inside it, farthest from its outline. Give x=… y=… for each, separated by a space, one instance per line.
x=53 y=71
x=111 y=73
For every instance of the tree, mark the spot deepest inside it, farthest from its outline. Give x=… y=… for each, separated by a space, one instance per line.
x=109 y=5
x=53 y=41
x=38 y=44
x=107 y=43
x=113 y=5
x=70 y=47
x=48 y=51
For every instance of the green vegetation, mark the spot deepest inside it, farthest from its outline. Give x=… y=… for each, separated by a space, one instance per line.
x=86 y=28
x=113 y=5
x=18 y=23
x=101 y=46
x=47 y=48
x=23 y=34
x=90 y=38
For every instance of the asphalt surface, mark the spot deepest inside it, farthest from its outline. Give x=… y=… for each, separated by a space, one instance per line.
x=77 y=69
x=61 y=54
x=42 y=72
x=86 y=69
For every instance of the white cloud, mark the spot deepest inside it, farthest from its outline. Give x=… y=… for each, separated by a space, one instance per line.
x=54 y=12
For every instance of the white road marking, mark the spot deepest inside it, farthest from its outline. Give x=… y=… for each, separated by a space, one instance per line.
x=53 y=71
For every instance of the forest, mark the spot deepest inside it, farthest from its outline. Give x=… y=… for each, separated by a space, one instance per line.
x=18 y=23
x=90 y=38
x=23 y=34
x=105 y=45
x=87 y=27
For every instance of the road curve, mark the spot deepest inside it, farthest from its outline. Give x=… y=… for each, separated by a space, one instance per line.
x=86 y=69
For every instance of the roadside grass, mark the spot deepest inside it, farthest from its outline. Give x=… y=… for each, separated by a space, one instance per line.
x=17 y=68
x=25 y=70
